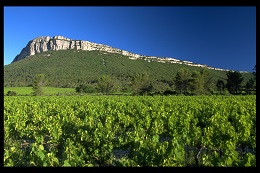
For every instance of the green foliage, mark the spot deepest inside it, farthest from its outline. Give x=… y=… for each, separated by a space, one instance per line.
x=85 y=89
x=220 y=86
x=38 y=83
x=183 y=81
x=47 y=90
x=207 y=80
x=141 y=84
x=159 y=87
x=148 y=131
x=234 y=80
x=197 y=83
x=84 y=67
x=200 y=82
x=105 y=84
x=11 y=93
x=250 y=85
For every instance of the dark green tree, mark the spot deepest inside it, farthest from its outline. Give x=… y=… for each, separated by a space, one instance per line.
x=88 y=88
x=234 y=80
x=201 y=82
x=220 y=86
x=11 y=93
x=38 y=83
x=126 y=86
x=105 y=84
x=197 y=83
x=159 y=87
x=208 y=84
x=80 y=89
x=141 y=84
x=183 y=81
x=250 y=85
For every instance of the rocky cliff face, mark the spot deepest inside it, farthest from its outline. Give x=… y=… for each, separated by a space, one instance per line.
x=46 y=43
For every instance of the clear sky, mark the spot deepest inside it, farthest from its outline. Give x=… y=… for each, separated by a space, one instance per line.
x=218 y=36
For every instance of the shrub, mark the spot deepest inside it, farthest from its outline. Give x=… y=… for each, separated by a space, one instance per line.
x=11 y=93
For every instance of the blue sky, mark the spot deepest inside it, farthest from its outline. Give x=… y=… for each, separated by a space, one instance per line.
x=218 y=36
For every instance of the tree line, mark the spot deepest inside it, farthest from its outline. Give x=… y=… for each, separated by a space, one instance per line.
x=184 y=82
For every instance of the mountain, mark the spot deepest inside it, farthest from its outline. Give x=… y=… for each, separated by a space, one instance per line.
x=47 y=43
x=69 y=63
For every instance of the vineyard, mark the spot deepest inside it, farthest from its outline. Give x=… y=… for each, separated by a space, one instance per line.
x=179 y=131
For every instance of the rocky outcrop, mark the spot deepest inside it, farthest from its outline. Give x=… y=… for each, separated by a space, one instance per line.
x=46 y=43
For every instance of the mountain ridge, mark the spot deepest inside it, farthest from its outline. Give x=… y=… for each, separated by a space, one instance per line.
x=45 y=43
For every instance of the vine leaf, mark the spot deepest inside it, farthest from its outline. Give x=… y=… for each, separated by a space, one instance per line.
x=66 y=163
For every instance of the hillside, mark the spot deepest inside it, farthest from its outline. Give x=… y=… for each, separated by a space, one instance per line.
x=70 y=68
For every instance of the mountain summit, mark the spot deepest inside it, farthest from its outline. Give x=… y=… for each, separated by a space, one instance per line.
x=46 y=43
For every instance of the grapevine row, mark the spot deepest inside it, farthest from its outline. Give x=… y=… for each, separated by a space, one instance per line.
x=130 y=131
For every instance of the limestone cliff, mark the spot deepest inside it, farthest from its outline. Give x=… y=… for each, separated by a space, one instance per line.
x=46 y=43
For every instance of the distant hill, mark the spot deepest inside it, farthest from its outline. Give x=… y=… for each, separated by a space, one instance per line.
x=69 y=63
x=70 y=68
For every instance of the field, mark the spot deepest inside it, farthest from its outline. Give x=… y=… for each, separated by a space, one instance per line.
x=47 y=90
x=130 y=131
